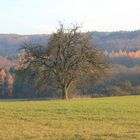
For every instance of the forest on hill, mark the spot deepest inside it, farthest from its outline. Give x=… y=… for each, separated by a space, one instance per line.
x=122 y=51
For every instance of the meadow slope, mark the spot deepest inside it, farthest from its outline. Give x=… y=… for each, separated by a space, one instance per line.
x=110 y=118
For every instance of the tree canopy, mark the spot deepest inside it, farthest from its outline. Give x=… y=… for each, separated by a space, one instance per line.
x=66 y=59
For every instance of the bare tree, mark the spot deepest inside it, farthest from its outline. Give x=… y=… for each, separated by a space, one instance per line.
x=66 y=59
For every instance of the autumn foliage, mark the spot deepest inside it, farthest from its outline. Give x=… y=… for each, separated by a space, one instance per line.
x=6 y=83
x=120 y=53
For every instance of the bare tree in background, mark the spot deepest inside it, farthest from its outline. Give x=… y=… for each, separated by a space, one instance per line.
x=66 y=59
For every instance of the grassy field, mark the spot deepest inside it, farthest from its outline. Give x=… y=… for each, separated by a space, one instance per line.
x=110 y=118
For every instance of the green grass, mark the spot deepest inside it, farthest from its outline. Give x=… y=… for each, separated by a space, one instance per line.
x=113 y=118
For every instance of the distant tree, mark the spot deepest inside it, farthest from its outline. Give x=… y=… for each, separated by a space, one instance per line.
x=65 y=60
x=2 y=81
x=22 y=87
x=8 y=85
x=12 y=70
x=127 y=86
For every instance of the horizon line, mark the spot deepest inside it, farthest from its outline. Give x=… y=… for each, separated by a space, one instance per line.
x=22 y=34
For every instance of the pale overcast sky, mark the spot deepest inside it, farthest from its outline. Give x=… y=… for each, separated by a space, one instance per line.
x=42 y=16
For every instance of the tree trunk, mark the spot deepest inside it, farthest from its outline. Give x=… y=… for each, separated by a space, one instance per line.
x=64 y=93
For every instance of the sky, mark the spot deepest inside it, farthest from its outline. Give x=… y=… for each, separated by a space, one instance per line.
x=43 y=16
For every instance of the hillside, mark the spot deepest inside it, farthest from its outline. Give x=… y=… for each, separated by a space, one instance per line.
x=124 y=40
x=10 y=43
x=128 y=41
x=4 y=62
x=121 y=47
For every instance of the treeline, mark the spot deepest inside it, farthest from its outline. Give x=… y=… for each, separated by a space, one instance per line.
x=121 y=81
x=123 y=53
x=123 y=78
